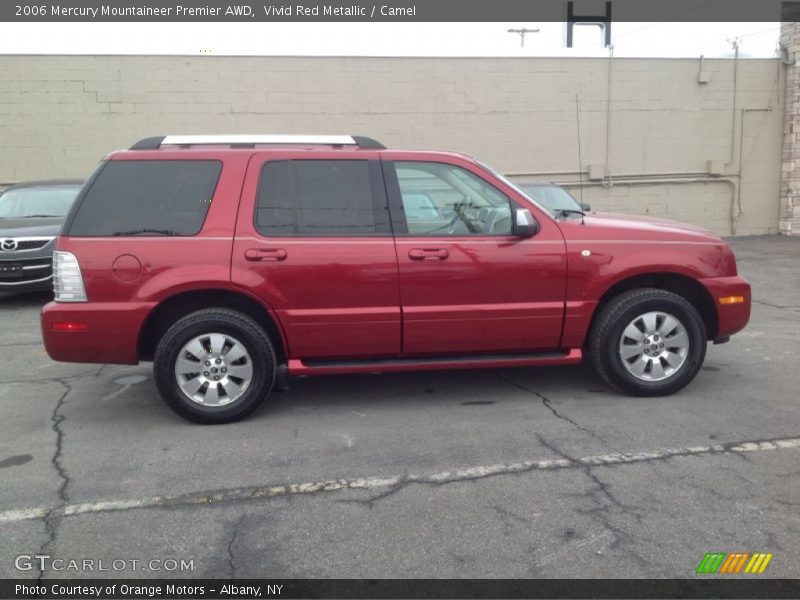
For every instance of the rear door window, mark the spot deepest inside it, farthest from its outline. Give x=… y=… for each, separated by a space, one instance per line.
x=141 y=197
x=321 y=197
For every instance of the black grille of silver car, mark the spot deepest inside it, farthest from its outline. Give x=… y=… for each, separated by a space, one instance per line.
x=32 y=244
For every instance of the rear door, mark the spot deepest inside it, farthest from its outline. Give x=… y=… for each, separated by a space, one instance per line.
x=313 y=241
x=467 y=285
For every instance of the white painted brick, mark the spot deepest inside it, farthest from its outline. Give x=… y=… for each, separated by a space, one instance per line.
x=518 y=114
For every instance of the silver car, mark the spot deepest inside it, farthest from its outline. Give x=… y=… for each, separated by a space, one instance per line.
x=31 y=216
x=554 y=198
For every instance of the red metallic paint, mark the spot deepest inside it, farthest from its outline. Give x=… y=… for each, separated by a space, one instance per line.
x=365 y=298
x=111 y=335
x=623 y=247
x=731 y=317
x=333 y=296
x=491 y=293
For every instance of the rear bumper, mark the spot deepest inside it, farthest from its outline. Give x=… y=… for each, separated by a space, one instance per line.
x=731 y=318
x=105 y=332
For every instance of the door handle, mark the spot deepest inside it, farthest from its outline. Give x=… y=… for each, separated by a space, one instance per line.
x=265 y=254
x=428 y=253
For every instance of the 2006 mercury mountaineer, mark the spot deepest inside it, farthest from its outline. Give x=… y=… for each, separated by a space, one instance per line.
x=221 y=258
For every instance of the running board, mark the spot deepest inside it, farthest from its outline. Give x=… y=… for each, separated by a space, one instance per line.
x=298 y=366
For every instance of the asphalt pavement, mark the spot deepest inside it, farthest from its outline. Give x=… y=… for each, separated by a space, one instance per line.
x=498 y=473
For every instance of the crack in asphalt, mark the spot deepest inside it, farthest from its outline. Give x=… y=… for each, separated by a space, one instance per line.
x=547 y=402
x=587 y=468
x=467 y=474
x=622 y=540
x=509 y=519
x=53 y=517
x=81 y=375
x=780 y=306
x=506 y=514
x=370 y=502
x=231 y=556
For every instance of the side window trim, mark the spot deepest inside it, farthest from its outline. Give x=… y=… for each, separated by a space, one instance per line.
x=380 y=207
x=76 y=206
x=397 y=209
x=395 y=198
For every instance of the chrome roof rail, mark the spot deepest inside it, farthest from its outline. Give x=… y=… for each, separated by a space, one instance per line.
x=247 y=140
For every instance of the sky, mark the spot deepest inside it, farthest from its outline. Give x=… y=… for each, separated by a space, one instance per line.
x=713 y=40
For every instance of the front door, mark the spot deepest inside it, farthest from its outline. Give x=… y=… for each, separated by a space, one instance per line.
x=467 y=286
x=313 y=240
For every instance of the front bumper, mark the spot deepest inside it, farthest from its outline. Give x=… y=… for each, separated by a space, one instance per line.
x=731 y=318
x=37 y=274
x=103 y=332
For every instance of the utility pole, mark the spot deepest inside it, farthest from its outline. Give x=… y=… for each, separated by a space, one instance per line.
x=522 y=33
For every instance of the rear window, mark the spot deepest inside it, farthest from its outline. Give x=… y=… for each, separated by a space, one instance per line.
x=317 y=197
x=147 y=197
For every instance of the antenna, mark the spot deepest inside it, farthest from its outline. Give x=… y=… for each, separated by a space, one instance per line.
x=580 y=161
x=522 y=32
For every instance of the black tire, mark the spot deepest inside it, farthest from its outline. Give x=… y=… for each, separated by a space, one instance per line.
x=614 y=317
x=215 y=320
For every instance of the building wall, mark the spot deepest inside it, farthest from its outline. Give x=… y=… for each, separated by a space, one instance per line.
x=648 y=148
x=790 y=168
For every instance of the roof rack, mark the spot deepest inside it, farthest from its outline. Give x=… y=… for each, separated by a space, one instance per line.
x=250 y=141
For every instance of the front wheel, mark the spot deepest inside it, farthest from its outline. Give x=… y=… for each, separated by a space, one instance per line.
x=648 y=342
x=214 y=366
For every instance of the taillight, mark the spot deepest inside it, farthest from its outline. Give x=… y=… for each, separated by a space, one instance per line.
x=67 y=278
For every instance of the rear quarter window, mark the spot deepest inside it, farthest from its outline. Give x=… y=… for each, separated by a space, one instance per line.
x=140 y=197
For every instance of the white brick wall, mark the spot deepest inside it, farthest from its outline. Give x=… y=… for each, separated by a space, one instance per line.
x=60 y=114
x=790 y=167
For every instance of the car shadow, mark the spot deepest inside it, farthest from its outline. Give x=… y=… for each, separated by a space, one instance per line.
x=476 y=387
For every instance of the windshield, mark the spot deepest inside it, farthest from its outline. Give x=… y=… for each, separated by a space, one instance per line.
x=552 y=197
x=41 y=201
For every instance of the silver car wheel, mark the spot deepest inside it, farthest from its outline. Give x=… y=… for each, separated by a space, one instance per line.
x=654 y=346
x=214 y=369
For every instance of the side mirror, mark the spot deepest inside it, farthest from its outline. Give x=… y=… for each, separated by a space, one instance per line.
x=525 y=225
x=586 y=207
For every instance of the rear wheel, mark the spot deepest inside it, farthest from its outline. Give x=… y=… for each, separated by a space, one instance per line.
x=648 y=342
x=214 y=366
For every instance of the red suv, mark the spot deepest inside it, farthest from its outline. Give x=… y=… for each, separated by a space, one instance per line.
x=225 y=259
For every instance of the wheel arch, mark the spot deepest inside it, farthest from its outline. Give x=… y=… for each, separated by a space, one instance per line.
x=682 y=285
x=181 y=304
